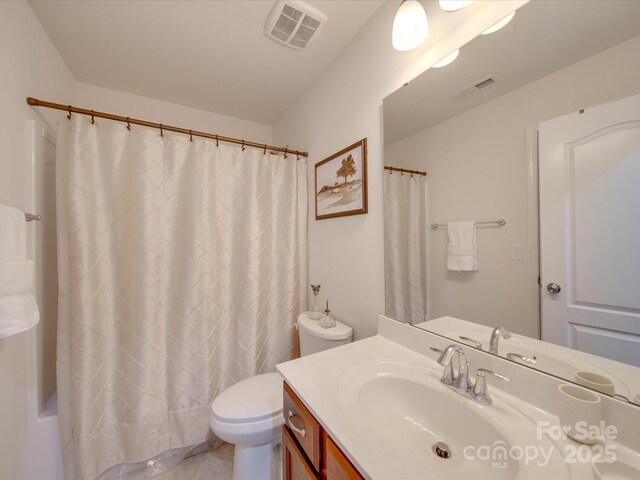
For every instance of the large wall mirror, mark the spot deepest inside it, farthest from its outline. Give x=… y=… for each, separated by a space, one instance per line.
x=523 y=237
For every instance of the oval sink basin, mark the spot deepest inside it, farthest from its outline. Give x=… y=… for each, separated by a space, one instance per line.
x=409 y=410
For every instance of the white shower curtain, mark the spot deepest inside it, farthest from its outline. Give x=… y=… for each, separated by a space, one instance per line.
x=405 y=247
x=182 y=269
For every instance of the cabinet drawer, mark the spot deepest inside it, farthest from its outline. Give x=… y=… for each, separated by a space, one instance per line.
x=302 y=426
x=296 y=466
x=336 y=465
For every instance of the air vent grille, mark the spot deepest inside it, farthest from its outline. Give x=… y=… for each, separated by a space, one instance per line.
x=485 y=83
x=294 y=23
x=470 y=90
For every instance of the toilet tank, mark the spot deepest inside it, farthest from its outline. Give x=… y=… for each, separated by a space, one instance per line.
x=314 y=338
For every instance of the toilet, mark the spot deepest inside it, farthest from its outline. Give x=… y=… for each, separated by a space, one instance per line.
x=249 y=413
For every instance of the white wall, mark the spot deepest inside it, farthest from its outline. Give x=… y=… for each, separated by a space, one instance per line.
x=343 y=106
x=476 y=163
x=144 y=108
x=30 y=66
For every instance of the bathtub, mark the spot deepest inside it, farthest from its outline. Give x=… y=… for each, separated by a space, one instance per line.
x=45 y=456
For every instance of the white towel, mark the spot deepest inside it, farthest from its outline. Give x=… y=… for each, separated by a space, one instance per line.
x=18 y=308
x=462 y=250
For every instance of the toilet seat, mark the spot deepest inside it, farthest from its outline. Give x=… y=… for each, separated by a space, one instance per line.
x=251 y=400
x=249 y=412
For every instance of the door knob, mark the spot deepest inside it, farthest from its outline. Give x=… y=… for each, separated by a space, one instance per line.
x=553 y=288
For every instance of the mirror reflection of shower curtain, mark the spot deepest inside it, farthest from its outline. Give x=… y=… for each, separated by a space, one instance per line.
x=405 y=247
x=182 y=269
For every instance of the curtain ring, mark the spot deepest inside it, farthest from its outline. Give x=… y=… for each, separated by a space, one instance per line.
x=93 y=120
x=243 y=145
x=69 y=115
x=217 y=144
x=265 y=149
x=190 y=136
x=285 y=153
x=161 y=132
x=128 y=124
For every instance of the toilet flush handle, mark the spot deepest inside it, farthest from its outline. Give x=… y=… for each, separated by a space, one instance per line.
x=299 y=431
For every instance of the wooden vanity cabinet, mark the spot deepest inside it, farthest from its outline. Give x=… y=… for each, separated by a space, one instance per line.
x=295 y=464
x=308 y=452
x=335 y=465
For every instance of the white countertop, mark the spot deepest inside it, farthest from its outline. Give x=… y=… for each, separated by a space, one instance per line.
x=316 y=380
x=321 y=382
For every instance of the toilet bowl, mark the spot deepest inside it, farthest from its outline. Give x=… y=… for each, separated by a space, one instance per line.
x=249 y=414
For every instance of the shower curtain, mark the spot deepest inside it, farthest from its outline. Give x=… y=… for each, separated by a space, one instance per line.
x=405 y=247
x=182 y=268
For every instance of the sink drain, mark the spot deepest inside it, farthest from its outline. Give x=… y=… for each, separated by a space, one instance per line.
x=441 y=450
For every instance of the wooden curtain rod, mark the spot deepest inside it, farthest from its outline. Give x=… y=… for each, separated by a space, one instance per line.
x=129 y=121
x=404 y=170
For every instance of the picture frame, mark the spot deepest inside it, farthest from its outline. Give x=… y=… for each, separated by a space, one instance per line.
x=341 y=183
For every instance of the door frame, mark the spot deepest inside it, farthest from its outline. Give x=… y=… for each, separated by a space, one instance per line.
x=533 y=233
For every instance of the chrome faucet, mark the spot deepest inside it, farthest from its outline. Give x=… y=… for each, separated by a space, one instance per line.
x=448 y=372
x=460 y=381
x=495 y=338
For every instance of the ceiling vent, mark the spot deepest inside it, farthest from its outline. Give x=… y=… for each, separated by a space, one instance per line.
x=294 y=23
x=470 y=90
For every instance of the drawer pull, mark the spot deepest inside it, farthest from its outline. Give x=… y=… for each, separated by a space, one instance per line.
x=299 y=431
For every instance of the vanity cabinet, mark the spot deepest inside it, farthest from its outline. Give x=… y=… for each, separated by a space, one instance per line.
x=308 y=451
x=295 y=464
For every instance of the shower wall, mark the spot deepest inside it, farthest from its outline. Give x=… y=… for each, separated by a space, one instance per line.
x=30 y=65
x=41 y=199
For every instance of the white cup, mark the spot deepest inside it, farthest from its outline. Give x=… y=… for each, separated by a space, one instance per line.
x=596 y=381
x=581 y=411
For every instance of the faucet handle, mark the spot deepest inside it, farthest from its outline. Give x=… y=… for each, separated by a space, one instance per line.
x=480 y=392
x=471 y=341
x=522 y=358
x=483 y=371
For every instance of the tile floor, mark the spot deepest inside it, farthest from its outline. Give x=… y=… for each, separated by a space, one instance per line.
x=211 y=465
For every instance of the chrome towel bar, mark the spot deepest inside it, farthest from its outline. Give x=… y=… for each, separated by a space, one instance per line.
x=500 y=222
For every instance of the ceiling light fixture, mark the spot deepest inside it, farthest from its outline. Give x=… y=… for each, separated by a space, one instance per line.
x=497 y=26
x=410 y=27
x=447 y=60
x=453 y=5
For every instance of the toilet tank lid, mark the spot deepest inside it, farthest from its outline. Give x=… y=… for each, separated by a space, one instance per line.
x=312 y=327
x=250 y=400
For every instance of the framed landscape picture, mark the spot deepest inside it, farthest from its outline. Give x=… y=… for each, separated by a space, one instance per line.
x=341 y=183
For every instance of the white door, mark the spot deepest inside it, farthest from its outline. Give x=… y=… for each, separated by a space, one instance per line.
x=589 y=174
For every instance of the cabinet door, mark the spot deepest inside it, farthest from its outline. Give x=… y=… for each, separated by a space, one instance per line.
x=295 y=463
x=302 y=426
x=337 y=466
